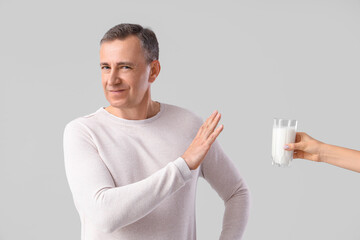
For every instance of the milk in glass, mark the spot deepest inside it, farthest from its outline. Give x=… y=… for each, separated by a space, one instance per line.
x=284 y=131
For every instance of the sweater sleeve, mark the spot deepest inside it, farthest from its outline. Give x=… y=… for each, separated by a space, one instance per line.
x=94 y=191
x=224 y=178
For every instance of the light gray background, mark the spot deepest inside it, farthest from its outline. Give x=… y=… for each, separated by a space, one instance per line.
x=251 y=60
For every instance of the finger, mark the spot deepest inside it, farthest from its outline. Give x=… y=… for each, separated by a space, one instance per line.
x=294 y=146
x=289 y=147
x=215 y=134
x=204 y=126
x=212 y=116
x=298 y=154
x=212 y=125
x=298 y=137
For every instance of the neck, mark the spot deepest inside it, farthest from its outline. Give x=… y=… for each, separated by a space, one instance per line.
x=147 y=108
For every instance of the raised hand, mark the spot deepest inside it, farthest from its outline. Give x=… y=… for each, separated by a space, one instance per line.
x=203 y=140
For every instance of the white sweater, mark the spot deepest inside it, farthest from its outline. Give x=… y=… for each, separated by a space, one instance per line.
x=128 y=180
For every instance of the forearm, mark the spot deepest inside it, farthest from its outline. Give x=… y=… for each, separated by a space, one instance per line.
x=236 y=214
x=341 y=157
x=117 y=207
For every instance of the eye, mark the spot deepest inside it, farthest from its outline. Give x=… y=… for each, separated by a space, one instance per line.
x=105 y=67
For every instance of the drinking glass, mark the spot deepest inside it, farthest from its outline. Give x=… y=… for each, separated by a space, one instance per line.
x=284 y=131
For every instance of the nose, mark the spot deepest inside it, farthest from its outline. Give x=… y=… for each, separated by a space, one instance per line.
x=114 y=78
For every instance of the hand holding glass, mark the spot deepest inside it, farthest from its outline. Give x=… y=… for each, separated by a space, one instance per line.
x=284 y=131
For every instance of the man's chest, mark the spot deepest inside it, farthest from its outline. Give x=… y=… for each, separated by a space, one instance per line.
x=134 y=155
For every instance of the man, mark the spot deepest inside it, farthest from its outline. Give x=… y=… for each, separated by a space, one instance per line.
x=133 y=166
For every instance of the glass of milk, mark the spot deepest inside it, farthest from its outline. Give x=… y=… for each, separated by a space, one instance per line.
x=284 y=131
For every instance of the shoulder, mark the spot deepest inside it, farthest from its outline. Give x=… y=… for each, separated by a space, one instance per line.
x=179 y=110
x=82 y=123
x=182 y=114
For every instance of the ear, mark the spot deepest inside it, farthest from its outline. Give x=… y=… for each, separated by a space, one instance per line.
x=154 y=70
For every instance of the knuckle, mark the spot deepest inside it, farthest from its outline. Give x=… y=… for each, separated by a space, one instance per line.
x=204 y=145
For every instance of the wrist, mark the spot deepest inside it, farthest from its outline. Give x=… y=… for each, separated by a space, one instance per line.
x=186 y=159
x=323 y=152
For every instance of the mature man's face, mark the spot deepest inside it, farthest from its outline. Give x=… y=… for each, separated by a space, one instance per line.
x=124 y=72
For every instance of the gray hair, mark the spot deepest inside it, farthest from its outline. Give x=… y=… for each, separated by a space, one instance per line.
x=146 y=36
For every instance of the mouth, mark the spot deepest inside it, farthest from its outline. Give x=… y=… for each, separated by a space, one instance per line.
x=120 y=90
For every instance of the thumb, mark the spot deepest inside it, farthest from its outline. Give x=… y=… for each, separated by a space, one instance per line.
x=294 y=146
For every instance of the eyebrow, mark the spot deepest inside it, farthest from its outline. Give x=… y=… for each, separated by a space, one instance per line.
x=118 y=63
